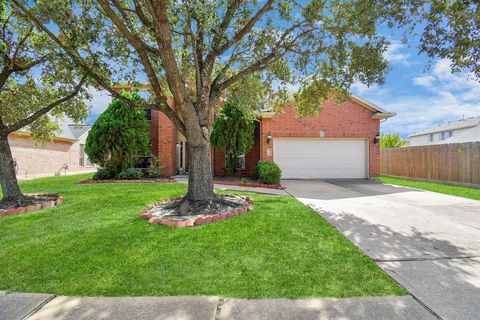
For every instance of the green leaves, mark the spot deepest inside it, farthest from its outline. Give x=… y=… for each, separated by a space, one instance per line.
x=391 y=141
x=234 y=127
x=119 y=136
x=34 y=76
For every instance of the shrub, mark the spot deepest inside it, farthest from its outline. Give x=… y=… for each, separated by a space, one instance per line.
x=233 y=130
x=153 y=172
x=104 y=174
x=130 y=174
x=269 y=172
x=119 y=136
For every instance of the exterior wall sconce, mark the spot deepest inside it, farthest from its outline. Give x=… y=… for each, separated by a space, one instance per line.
x=269 y=137
x=377 y=138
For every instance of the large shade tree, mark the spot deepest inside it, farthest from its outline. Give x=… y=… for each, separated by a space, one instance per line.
x=37 y=85
x=192 y=51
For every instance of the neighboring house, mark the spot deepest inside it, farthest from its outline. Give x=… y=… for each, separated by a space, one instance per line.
x=342 y=141
x=64 y=154
x=464 y=130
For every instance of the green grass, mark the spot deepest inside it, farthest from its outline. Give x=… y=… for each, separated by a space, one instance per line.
x=96 y=244
x=459 y=191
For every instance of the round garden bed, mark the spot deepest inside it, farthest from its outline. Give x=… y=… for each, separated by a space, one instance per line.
x=30 y=203
x=144 y=180
x=226 y=207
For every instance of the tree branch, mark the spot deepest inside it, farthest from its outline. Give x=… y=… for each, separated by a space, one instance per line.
x=28 y=120
x=161 y=103
x=4 y=74
x=21 y=42
x=138 y=44
x=164 y=39
x=19 y=68
x=246 y=29
x=138 y=8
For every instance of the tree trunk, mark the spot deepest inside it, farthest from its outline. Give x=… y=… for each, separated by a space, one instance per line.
x=200 y=178
x=8 y=179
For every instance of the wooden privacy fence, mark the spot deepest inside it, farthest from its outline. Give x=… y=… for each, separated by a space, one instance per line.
x=455 y=163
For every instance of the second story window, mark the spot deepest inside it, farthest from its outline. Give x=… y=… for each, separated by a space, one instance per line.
x=148 y=114
x=442 y=136
x=430 y=138
x=450 y=134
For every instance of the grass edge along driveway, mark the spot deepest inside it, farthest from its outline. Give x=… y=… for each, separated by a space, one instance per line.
x=96 y=244
x=453 y=190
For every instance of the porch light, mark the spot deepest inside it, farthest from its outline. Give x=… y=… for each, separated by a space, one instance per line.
x=269 y=137
x=376 y=139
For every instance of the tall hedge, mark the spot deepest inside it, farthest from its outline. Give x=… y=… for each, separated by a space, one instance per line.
x=119 y=136
x=233 y=131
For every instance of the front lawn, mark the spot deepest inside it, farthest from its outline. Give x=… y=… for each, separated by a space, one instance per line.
x=96 y=244
x=459 y=191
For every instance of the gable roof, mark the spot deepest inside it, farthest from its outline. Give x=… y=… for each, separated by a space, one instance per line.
x=453 y=125
x=67 y=132
x=377 y=112
x=370 y=105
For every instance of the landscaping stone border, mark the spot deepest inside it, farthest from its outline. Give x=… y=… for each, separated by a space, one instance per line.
x=34 y=207
x=250 y=184
x=193 y=221
x=91 y=181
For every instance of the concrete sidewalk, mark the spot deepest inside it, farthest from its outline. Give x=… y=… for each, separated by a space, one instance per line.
x=15 y=306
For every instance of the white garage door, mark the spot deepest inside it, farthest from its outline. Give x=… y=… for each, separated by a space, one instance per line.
x=304 y=158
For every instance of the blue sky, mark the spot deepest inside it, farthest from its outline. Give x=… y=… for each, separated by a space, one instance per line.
x=422 y=92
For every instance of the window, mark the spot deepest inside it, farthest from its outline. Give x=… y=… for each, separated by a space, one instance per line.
x=239 y=162
x=450 y=134
x=442 y=136
x=89 y=162
x=148 y=114
x=430 y=138
x=81 y=158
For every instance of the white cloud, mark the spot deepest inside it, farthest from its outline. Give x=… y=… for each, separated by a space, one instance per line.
x=446 y=97
x=416 y=113
x=443 y=97
x=424 y=81
x=394 y=54
x=440 y=80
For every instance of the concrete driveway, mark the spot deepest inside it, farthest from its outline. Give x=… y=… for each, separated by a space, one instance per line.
x=428 y=242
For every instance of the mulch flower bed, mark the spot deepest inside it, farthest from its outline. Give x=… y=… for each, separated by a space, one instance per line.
x=30 y=203
x=146 y=180
x=250 y=184
x=158 y=214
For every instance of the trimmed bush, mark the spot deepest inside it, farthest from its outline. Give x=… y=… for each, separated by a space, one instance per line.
x=104 y=174
x=269 y=172
x=153 y=172
x=130 y=174
x=119 y=136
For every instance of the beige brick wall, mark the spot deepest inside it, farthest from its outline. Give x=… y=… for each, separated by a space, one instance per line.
x=46 y=160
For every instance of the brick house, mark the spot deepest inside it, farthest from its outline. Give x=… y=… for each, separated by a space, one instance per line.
x=340 y=142
x=64 y=153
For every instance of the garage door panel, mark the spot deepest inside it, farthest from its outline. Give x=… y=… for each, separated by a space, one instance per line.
x=321 y=158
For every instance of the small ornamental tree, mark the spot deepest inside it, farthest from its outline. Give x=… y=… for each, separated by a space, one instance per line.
x=233 y=131
x=234 y=126
x=391 y=141
x=119 y=136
